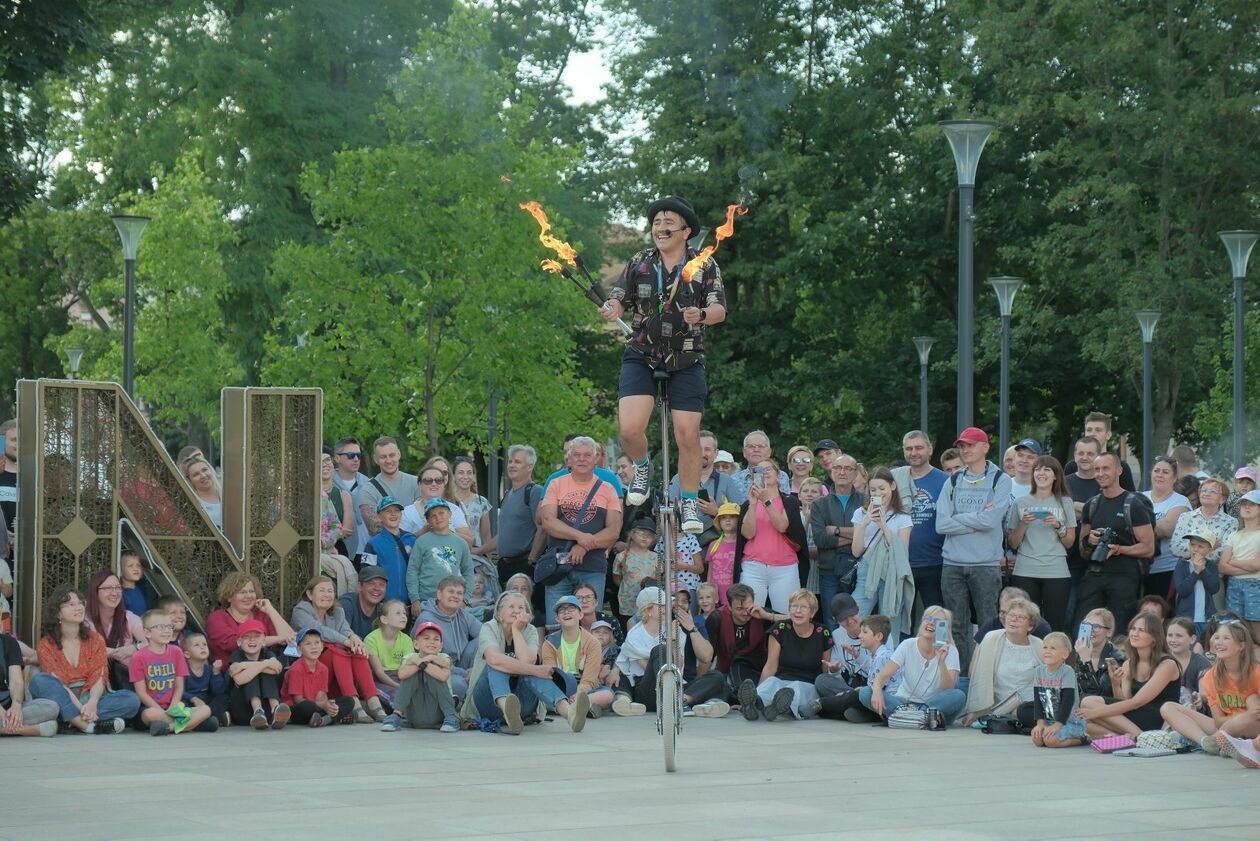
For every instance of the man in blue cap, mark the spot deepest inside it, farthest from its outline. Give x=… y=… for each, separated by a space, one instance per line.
x=669 y=315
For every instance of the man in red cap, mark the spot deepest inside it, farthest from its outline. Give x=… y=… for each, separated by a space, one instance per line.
x=970 y=514
x=669 y=317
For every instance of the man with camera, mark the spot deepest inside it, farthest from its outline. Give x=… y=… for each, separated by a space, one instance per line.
x=1117 y=533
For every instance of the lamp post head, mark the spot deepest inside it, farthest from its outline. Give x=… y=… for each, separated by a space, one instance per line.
x=75 y=356
x=967 y=138
x=1146 y=320
x=1239 y=244
x=1006 y=287
x=130 y=229
x=924 y=346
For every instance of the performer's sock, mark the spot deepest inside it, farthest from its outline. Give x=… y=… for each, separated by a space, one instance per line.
x=690 y=494
x=643 y=462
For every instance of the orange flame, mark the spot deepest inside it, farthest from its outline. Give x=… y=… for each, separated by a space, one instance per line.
x=563 y=250
x=551 y=266
x=724 y=231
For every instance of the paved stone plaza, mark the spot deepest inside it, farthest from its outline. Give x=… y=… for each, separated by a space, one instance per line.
x=815 y=780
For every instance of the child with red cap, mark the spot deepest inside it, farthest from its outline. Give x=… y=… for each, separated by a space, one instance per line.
x=423 y=697
x=254 y=681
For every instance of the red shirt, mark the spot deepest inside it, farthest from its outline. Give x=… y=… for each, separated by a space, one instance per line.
x=221 y=631
x=300 y=679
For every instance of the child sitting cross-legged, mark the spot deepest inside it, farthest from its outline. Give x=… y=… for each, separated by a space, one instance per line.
x=305 y=687
x=254 y=685
x=424 y=696
x=868 y=659
x=1049 y=714
x=1232 y=691
x=388 y=645
x=205 y=684
x=157 y=672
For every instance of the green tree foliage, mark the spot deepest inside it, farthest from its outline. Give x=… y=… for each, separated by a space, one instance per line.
x=427 y=294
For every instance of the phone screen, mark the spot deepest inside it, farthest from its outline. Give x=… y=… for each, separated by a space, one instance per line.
x=942 y=633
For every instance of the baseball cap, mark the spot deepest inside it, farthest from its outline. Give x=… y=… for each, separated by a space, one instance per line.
x=570 y=601
x=1247 y=473
x=437 y=502
x=427 y=626
x=971 y=435
x=302 y=634
x=600 y=623
x=825 y=444
x=251 y=626
x=386 y=502
x=647 y=596
x=1031 y=444
x=370 y=571
x=723 y=457
x=842 y=607
x=1204 y=534
x=728 y=509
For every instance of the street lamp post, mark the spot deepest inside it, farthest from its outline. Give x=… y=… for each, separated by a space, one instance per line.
x=74 y=355
x=1146 y=320
x=924 y=346
x=966 y=139
x=130 y=229
x=1005 y=287
x=1239 y=244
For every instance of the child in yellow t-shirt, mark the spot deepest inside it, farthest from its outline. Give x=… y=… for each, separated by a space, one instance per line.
x=388 y=645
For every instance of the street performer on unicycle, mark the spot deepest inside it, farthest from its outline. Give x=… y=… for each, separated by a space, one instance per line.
x=669 y=316
x=664 y=359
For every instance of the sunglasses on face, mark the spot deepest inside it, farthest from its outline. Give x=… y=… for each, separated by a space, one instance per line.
x=432 y=481
x=801 y=460
x=350 y=455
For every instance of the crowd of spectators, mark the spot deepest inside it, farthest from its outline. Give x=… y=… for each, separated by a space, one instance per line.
x=1029 y=597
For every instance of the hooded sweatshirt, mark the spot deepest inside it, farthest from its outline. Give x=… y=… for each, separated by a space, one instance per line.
x=459 y=632
x=973 y=532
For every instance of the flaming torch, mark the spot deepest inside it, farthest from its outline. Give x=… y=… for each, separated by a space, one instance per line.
x=569 y=255
x=724 y=231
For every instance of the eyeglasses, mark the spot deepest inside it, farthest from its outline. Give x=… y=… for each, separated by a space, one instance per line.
x=586 y=599
x=799 y=606
x=437 y=481
x=165 y=627
x=349 y=454
x=844 y=467
x=802 y=460
x=1098 y=627
x=116 y=588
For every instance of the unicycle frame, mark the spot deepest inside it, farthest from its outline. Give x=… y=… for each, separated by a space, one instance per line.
x=667 y=525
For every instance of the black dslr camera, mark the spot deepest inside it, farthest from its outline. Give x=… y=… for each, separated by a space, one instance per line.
x=1100 y=551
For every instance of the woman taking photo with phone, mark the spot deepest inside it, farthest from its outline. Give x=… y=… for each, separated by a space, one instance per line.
x=881 y=547
x=928 y=665
x=1140 y=686
x=1041 y=528
x=771 y=553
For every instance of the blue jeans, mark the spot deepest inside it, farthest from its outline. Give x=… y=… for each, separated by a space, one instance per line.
x=829 y=585
x=122 y=703
x=949 y=701
x=565 y=587
x=494 y=684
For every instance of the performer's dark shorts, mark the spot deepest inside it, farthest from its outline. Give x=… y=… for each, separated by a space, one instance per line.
x=687 y=388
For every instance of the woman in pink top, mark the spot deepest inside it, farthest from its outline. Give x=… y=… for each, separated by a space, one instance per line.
x=771 y=554
x=123 y=631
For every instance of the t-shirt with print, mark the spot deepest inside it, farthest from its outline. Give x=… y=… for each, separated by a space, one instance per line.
x=686 y=549
x=654 y=297
x=633 y=566
x=720 y=558
x=800 y=658
x=158 y=670
x=1050 y=700
x=391 y=656
x=1231 y=696
x=567 y=494
x=1041 y=553
x=925 y=540
x=921 y=676
x=1245 y=545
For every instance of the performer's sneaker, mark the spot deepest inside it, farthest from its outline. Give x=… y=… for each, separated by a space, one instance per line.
x=640 y=485
x=690 y=509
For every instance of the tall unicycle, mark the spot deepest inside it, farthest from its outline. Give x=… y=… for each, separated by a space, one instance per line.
x=669 y=678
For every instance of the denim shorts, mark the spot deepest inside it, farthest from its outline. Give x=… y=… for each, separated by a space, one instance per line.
x=687 y=388
x=1243 y=598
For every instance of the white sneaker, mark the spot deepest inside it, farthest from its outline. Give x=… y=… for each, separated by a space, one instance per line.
x=622 y=705
x=48 y=728
x=640 y=485
x=712 y=709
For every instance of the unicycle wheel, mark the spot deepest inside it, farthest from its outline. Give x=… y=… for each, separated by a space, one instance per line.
x=669 y=704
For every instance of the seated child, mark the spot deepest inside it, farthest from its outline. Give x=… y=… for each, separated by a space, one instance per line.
x=254 y=685
x=867 y=660
x=205 y=685
x=157 y=673
x=136 y=591
x=603 y=631
x=1231 y=689
x=173 y=607
x=387 y=646
x=1054 y=698
x=424 y=697
x=305 y=687
x=706 y=603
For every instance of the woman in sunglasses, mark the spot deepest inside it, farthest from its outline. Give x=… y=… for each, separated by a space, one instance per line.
x=432 y=485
